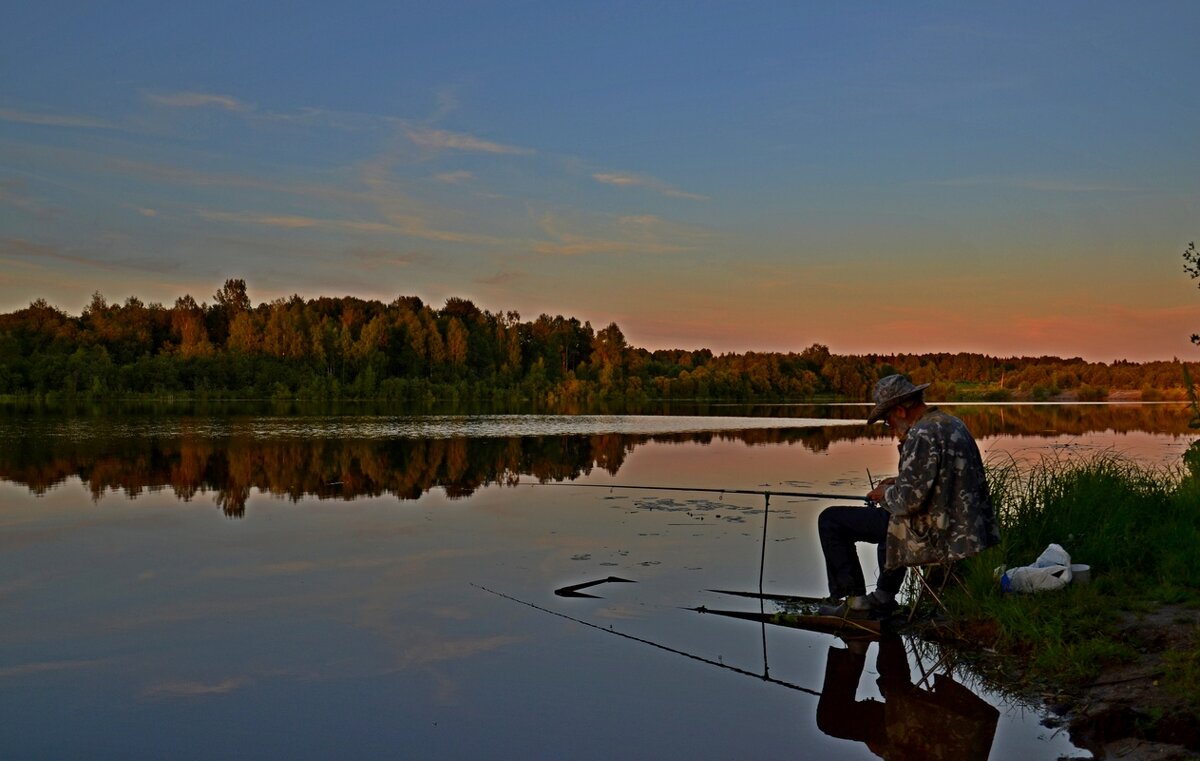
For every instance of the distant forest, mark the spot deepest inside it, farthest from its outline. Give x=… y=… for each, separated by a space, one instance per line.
x=349 y=348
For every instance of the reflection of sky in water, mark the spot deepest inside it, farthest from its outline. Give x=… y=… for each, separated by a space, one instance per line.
x=152 y=628
x=435 y=427
x=1151 y=449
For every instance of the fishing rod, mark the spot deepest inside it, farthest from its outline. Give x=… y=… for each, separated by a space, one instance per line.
x=710 y=490
x=652 y=643
x=766 y=495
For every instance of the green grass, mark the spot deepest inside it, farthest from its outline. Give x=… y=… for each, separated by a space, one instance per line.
x=1183 y=672
x=1137 y=527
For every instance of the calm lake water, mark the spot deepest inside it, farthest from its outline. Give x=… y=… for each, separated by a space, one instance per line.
x=238 y=584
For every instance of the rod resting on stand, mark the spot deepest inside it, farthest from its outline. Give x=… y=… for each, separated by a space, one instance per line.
x=710 y=490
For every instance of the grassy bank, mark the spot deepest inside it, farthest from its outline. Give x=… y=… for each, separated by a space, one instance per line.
x=1139 y=530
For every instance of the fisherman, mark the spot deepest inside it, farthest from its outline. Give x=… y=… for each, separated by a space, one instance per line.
x=936 y=510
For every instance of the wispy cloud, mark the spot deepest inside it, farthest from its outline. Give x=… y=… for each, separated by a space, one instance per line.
x=1043 y=184
x=53 y=120
x=180 y=175
x=195 y=689
x=1068 y=186
x=411 y=216
x=190 y=99
x=374 y=259
x=15 y=193
x=628 y=180
x=397 y=224
x=454 y=178
x=500 y=278
x=24 y=249
x=297 y=222
x=40 y=257
x=447 y=103
x=612 y=178
x=438 y=139
x=576 y=245
x=42 y=667
x=395 y=211
x=639 y=234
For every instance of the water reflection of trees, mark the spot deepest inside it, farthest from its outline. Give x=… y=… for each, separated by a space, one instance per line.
x=1072 y=419
x=233 y=466
x=327 y=468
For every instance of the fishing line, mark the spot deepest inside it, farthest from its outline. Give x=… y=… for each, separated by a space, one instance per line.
x=651 y=643
x=710 y=490
x=762 y=563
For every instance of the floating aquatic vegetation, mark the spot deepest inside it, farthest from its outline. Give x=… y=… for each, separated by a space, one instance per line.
x=699 y=509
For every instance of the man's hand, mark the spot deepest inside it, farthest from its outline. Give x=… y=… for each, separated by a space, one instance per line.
x=876 y=494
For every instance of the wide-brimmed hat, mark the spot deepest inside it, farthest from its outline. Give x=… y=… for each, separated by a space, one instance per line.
x=889 y=392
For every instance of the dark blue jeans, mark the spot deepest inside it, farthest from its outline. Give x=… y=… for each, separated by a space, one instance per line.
x=840 y=528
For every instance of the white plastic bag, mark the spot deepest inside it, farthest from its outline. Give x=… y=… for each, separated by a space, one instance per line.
x=1052 y=570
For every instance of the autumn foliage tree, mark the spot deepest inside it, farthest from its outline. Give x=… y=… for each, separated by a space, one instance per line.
x=407 y=350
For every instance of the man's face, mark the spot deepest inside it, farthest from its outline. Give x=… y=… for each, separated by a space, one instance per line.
x=897 y=419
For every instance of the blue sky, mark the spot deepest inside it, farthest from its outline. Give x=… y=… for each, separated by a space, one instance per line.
x=1015 y=178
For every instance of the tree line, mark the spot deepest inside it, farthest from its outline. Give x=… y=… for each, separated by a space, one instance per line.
x=350 y=348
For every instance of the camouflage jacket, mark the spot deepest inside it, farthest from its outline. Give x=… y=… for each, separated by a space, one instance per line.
x=940 y=506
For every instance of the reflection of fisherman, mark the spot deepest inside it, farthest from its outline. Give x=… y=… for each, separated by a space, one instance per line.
x=946 y=722
x=937 y=509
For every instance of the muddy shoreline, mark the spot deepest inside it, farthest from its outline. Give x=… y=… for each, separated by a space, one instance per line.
x=1128 y=712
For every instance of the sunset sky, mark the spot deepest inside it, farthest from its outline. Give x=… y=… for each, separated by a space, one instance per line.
x=1009 y=178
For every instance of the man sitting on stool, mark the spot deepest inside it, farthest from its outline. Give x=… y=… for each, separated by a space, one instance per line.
x=937 y=509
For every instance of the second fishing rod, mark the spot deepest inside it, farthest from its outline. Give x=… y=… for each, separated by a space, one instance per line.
x=766 y=494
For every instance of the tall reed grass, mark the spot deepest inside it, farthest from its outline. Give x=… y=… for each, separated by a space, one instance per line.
x=1128 y=521
x=1138 y=528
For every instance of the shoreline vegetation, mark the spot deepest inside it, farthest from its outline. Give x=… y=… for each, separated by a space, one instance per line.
x=351 y=349
x=1118 y=658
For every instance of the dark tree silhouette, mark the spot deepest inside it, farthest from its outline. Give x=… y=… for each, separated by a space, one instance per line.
x=330 y=348
x=1191 y=265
